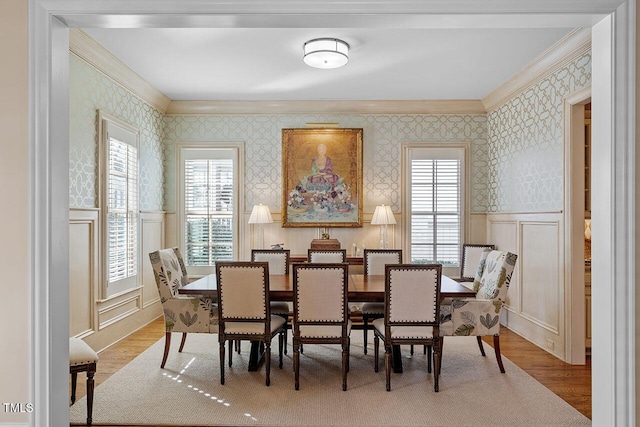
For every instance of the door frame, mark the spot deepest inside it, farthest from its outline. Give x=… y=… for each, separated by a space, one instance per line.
x=613 y=47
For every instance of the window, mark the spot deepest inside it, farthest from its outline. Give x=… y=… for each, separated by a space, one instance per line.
x=435 y=203
x=209 y=197
x=119 y=143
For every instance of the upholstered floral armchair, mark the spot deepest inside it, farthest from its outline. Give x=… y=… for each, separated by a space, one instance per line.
x=480 y=316
x=181 y=313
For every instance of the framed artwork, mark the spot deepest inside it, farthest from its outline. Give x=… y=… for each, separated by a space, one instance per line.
x=322 y=177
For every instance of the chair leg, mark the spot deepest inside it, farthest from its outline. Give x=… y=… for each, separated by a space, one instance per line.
x=267 y=360
x=286 y=321
x=281 y=339
x=91 y=370
x=230 y=353
x=496 y=346
x=387 y=364
x=436 y=364
x=238 y=345
x=411 y=352
x=428 y=351
x=296 y=363
x=74 y=380
x=184 y=338
x=376 y=347
x=345 y=364
x=481 y=346
x=424 y=349
x=222 y=362
x=167 y=344
x=365 y=328
x=441 y=347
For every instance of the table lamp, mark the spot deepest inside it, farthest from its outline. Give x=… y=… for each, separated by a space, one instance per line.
x=260 y=215
x=383 y=216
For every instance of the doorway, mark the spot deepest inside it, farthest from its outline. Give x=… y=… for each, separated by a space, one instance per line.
x=49 y=50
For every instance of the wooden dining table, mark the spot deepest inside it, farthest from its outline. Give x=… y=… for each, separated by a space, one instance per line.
x=362 y=288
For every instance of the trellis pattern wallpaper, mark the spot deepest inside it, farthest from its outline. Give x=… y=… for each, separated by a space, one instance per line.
x=382 y=134
x=516 y=150
x=90 y=90
x=525 y=154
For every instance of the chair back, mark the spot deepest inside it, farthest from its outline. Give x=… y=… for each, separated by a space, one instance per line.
x=278 y=259
x=169 y=272
x=376 y=259
x=472 y=256
x=320 y=296
x=494 y=275
x=412 y=297
x=243 y=292
x=327 y=256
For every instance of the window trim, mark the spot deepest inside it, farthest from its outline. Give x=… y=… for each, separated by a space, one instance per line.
x=238 y=214
x=104 y=120
x=407 y=149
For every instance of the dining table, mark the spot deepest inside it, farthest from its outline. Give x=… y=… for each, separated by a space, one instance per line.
x=362 y=288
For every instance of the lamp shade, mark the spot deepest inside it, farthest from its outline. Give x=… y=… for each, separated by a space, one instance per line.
x=326 y=53
x=260 y=215
x=383 y=216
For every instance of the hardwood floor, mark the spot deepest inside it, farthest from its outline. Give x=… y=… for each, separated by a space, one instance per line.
x=570 y=382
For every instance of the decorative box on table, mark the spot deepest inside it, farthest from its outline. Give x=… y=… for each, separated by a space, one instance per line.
x=327 y=244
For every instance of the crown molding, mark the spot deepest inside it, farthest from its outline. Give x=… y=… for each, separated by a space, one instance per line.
x=90 y=51
x=341 y=106
x=569 y=47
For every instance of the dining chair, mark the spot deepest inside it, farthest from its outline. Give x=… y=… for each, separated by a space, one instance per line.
x=326 y=255
x=278 y=260
x=243 y=310
x=470 y=259
x=320 y=311
x=82 y=358
x=374 y=263
x=480 y=316
x=411 y=313
x=181 y=313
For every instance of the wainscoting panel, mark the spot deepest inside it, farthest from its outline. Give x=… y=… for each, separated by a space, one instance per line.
x=152 y=240
x=535 y=302
x=103 y=322
x=540 y=285
x=83 y=272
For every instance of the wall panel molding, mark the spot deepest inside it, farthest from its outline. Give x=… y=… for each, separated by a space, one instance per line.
x=535 y=303
x=84 y=255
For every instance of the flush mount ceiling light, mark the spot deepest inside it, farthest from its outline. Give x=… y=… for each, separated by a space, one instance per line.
x=326 y=53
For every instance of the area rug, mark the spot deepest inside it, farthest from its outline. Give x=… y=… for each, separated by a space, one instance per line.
x=187 y=392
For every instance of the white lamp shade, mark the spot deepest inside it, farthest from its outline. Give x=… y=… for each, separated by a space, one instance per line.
x=383 y=215
x=260 y=215
x=326 y=53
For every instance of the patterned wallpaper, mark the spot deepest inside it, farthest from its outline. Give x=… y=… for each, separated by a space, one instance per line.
x=89 y=91
x=383 y=136
x=516 y=150
x=525 y=159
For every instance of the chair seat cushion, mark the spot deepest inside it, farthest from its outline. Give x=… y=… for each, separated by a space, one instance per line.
x=373 y=308
x=404 y=331
x=279 y=307
x=80 y=353
x=252 y=328
x=319 y=331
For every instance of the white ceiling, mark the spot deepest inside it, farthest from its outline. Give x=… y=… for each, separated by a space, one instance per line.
x=385 y=63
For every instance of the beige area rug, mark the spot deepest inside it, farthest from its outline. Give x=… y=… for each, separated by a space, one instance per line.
x=473 y=392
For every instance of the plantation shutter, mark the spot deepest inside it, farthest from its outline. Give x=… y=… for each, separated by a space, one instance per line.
x=208 y=210
x=436 y=179
x=122 y=208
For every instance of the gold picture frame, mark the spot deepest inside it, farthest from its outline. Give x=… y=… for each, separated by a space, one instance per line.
x=322 y=177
